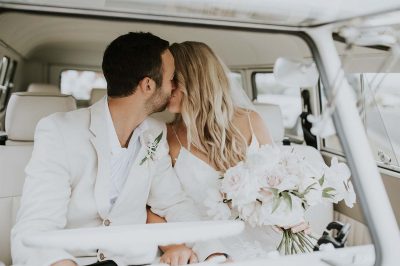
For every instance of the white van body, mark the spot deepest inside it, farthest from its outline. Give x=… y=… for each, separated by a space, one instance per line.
x=43 y=40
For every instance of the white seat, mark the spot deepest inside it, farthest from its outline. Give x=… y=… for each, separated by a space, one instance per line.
x=272 y=116
x=25 y=109
x=44 y=88
x=96 y=95
x=23 y=112
x=13 y=160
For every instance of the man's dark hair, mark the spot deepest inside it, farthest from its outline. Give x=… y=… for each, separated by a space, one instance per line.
x=130 y=58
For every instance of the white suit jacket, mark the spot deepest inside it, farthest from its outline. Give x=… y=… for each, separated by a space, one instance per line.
x=68 y=178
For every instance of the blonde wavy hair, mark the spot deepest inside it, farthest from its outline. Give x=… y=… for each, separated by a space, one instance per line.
x=207 y=108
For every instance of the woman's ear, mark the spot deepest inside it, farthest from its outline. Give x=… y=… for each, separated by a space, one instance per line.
x=147 y=86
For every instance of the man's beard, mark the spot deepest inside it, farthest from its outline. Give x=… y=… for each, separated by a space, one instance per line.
x=159 y=102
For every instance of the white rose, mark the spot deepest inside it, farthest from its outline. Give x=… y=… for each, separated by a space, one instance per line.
x=263 y=159
x=265 y=195
x=251 y=213
x=279 y=178
x=289 y=182
x=283 y=215
x=240 y=185
x=314 y=194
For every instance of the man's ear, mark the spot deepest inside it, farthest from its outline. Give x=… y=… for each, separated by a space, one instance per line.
x=147 y=86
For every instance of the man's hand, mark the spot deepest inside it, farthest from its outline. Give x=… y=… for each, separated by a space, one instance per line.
x=175 y=255
x=303 y=226
x=64 y=263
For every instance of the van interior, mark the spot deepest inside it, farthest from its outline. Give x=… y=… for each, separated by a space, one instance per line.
x=51 y=62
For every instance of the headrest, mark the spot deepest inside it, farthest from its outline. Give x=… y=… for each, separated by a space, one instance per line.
x=272 y=116
x=47 y=88
x=25 y=109
x=97 y=94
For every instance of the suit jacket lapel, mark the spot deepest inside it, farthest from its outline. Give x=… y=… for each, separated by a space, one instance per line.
x=100 y=142
x=134 y=186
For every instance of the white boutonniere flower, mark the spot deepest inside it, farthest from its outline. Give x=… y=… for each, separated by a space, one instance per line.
x=151 y=147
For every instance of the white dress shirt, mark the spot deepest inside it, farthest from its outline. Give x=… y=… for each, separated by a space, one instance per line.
x=121 y=158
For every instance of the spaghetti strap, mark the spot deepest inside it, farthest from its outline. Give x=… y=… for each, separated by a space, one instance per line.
x=251 y=126
x=176 y=135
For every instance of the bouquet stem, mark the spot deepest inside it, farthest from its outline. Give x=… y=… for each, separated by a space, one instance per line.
x=293 y=243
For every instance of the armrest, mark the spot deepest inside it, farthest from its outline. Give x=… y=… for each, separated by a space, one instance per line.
x=287 y=140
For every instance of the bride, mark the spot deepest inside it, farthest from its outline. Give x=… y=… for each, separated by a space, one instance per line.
x=215 y=125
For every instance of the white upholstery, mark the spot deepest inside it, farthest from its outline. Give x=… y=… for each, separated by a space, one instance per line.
x=13 y=160
x=45 y=88
x=272 y=116
x=24 y=110
x=96 y=95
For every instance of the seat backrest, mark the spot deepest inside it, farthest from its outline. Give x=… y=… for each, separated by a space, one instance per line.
x=96 y=95
x=23 y=112
x=45 y=88
x=13 y=160
x=272 y=116
x=25 y=109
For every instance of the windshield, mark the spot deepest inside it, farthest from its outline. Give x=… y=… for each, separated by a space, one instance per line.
x=375 y=78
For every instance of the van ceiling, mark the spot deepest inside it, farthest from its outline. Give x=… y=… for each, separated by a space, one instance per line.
x=263 y=12
x=77 y=40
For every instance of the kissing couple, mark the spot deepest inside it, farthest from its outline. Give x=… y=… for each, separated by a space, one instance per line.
x=111 y=164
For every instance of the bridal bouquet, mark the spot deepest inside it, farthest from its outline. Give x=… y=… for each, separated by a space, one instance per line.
x=274 y=186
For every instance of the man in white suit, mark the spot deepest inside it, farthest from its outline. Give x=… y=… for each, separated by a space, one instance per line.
x=101 y=166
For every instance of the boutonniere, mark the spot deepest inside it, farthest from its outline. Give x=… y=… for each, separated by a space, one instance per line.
x=151 y=148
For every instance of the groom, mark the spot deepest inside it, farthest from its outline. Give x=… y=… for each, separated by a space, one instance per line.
x=101 y=166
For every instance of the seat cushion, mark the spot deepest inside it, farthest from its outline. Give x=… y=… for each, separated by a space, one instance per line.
x=13 y=160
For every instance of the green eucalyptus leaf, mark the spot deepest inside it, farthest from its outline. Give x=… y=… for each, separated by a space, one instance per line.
x=321 y=180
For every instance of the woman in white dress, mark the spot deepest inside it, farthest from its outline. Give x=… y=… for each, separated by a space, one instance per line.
x=210 y=134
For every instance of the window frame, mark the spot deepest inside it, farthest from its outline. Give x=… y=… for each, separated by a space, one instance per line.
x=7 y=80
x=80 y=69
x=339 y=151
